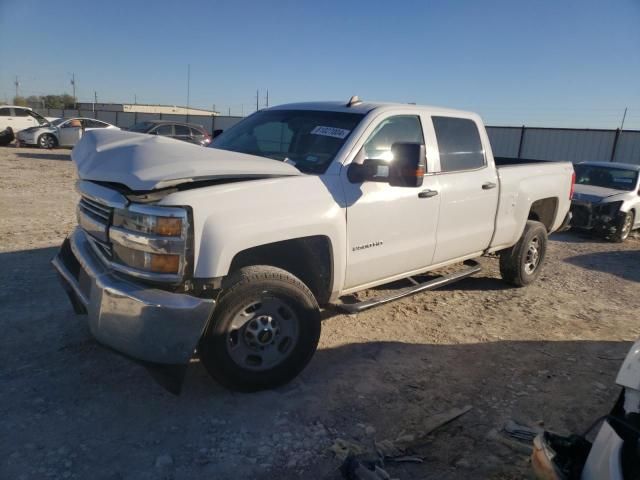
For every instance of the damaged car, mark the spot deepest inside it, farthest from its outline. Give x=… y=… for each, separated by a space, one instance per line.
x=606 y=200
x=615 y=451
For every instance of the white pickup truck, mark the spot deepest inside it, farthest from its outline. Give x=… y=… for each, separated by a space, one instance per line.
x=230 y=251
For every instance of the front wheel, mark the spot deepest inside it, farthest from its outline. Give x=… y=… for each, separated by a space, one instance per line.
x=46 y=140
x=520 y=265
x=623 y=227
x=265 y=329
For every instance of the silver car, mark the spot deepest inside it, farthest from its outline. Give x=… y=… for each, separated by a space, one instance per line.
x=62 y=132
x=607 y=199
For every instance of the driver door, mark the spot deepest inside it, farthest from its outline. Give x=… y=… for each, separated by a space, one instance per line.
x=390 y=230
x=69 y=135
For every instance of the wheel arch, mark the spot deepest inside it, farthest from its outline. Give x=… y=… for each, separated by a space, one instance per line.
x=544 y=211
x=308 y=258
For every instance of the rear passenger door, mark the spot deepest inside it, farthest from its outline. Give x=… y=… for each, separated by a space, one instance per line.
x=468 y=190
x=182 y=132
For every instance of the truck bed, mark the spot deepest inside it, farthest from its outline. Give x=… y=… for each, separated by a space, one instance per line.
x=508 y=161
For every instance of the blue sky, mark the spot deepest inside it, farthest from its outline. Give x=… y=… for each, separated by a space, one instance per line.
x=546 y=62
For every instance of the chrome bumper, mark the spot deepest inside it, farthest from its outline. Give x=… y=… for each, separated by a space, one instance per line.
x=142 y=322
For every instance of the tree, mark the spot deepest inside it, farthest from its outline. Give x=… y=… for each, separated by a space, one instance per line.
x=20 y=101
x=68 y=101
x=35 y=101
x=53 y=101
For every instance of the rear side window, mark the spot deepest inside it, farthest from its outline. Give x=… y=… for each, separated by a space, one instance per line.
x=93 y=124
x=182 y=131
x=459 y=144
x=5 y=112
x=166 y=130
x=196 y=133
x=21 y=112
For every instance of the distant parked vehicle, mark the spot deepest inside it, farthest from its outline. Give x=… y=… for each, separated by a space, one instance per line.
x=607 y=199
x=187 y=132
x=63 y=132
x=19 y=118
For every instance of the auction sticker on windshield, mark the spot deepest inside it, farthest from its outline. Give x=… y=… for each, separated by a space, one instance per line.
x=330 y=132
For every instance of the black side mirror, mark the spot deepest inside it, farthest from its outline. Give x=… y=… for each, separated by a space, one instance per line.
x=216 y=133
x=407 y=168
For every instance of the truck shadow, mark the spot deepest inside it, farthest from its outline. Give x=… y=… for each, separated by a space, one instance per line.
x=623 y=264
x=576 y=236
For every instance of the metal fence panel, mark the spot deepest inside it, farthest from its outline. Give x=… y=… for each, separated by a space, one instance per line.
x=106 y=116
x=225 y=122
x=505 y=141
x=628 y=148
x=87 y=113
x=568 y=145
x=126 y=119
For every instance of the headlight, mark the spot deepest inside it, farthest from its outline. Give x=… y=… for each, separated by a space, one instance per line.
x=150 y=242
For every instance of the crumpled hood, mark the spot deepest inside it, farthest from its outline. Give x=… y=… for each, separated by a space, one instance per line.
x=594 y=194
x=147 y=162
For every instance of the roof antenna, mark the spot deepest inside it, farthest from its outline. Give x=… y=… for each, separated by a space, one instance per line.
x=353 y=101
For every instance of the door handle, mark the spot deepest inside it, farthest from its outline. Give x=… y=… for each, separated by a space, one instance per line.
x=427 y=193
x=488 y=186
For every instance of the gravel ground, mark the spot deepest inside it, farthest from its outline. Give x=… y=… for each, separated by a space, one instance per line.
x=545 y=355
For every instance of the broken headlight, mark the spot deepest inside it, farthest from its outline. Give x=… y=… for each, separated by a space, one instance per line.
x=150 y=242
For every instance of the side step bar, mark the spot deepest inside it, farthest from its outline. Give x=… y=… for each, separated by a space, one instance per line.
x=473 y=267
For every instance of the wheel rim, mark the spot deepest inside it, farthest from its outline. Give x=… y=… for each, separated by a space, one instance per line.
x=532 y=259
x=626 y=227
x=262 y=334
x=46 y=141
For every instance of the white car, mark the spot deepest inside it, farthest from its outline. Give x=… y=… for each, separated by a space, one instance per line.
x=63 y=132
x=607 y=199
x=19 y=118
x=232 y=249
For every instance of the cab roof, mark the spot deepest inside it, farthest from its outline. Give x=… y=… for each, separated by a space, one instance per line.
x=363 y=107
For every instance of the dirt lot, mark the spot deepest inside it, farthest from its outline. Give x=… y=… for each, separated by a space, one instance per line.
x=71 y=409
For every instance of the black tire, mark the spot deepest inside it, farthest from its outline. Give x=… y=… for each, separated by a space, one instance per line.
x=521 y=264
x=251 y=292
x=6 y=137
x=48 y=141
x=623 y=227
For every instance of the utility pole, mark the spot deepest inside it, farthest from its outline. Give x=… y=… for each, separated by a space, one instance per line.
x=95 y=100
x=73 y=86
x=17 y=84
x=267 y=103
x=229 y=111
x=623 y=117
x=188 y=86
x=257 y=100
x=135 y=99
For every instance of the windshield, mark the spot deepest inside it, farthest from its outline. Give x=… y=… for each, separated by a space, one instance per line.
x=141 y=127
x=307 y=139
x=40 y=119
x=608 y=177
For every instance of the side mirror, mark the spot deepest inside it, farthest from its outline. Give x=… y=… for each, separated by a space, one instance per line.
x=216 y=133
x=407 y=168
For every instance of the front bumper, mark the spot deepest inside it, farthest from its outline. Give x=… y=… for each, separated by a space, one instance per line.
x=26 y=138
x=142 y=322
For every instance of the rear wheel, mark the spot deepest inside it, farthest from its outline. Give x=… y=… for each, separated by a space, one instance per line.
x=265 y=329
x=623 y=228
x=520 y=265
x=46 y=140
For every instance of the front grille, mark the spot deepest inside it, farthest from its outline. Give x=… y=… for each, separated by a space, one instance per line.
x=96 y=209
x=102 y=215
